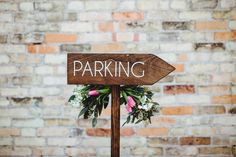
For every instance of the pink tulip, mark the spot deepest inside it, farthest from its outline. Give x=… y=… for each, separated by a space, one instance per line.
x=93 y=93
x=128 y=108
x=130 y=103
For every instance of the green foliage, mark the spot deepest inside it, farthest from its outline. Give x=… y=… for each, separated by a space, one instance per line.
x=92 y=105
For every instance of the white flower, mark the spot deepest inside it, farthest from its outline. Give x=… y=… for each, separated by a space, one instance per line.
x=143 y=99
x=75 y=103
x=146 y=106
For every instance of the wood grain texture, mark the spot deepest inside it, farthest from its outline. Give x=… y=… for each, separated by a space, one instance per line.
x=155 y=69
x=115 y=121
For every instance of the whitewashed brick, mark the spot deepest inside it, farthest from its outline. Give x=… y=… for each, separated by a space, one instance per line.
x=55 y=80
x=28 y=141
x=221 y=56
x=178 y=4
x=232 y=25
x=100 y=5
x=125 y=37
x=199 y=57
x=64 y=141
x=6 y=17
x=127 y=5
x=223 y=120
x=183 y=47
x=55 y=59
x=12 y=48
x=4 y=59
x=5 y=122
x=54 y=101
x=195 y=15
x=14 y=112
x=227 y=4
x=168 y=57
x=76 y=27
x=17 y=151
x=4 y=102
x=13 y=92
x=94 y=16
x=95 y=37
x=132 y=142
x=193 y=99
x=7 y=70
x=162 y=15
x=227 y=130
x=227 y=67
x=40 y=91
x=201 y=79
x=202 y=68
x=60 y=70
x=44 y=70
x=28 y=123
x=200 y=130
x=222 y=78
x=26 y=69
x=164 y=4
x=165 y=99
x=51 y=112
x=30 y=132
x=6 y=6
x=53 y=132
x=177 y=131
x=75 y=5
x=96 y=142
x=5 y=141
x=190 y=150
x=49 y=151
x=147 y=4
x=26 y=6
x=231 y=46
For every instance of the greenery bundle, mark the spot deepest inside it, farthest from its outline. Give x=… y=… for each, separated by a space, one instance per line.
x=94 y=98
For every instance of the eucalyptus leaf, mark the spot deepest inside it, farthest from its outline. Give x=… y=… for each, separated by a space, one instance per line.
x=71 y=98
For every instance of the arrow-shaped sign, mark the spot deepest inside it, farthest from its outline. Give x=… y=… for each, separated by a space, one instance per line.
x=116 y=69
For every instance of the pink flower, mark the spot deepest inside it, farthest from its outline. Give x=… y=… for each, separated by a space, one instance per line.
x=93 y=93
x=130 y=103
x=128 y=108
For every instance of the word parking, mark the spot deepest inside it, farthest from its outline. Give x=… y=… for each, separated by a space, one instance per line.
x=108 y=68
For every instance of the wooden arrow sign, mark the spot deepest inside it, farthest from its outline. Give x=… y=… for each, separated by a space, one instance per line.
x=116 y=69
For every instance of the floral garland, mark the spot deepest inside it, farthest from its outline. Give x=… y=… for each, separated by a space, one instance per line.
x=93 y=98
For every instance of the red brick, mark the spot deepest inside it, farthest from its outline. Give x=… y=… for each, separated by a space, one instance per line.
x=225 y=36
x=180 y=110
x=195 y=140
x=60 y=38
x=179 y=89
x=179 y=67
x=43 y=49
x=211 y=25
x=224 y=99
x=163 y=120
x=106 y=27
x=113 y=47
x=153 y=131
x=9 y=132
x=107 y=132
x=128 y=16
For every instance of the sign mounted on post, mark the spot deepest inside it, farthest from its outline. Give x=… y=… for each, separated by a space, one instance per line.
x=116 y=69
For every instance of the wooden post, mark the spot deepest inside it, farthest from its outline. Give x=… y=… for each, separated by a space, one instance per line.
x=115 y=121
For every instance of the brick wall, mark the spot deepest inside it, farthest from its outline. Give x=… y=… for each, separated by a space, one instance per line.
x=197 y=101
